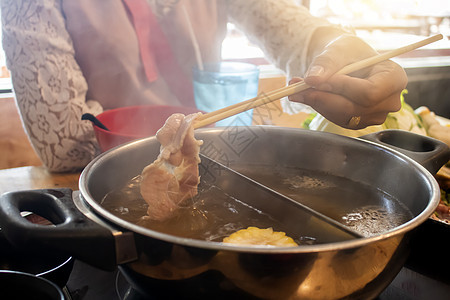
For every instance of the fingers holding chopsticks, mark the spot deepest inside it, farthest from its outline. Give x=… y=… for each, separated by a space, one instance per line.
x=340 y=110
x=353 y=101
x=374 y=85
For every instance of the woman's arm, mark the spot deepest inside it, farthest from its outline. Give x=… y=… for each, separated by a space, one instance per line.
x=310 y=47
x=49 y=87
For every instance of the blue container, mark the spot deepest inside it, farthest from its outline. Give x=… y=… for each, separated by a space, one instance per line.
x=223 y=84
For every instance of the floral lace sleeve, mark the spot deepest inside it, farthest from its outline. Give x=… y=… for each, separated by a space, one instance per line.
x=281 y=28
x=49 y=87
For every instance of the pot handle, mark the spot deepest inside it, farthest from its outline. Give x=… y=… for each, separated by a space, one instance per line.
x=429 y=152
x=72 y=233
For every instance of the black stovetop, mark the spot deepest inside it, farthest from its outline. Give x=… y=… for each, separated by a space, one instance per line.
x=89 y=283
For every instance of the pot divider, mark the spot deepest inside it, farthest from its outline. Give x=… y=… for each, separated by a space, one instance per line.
x=298 y=218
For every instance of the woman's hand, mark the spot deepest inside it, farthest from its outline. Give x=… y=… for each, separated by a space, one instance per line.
x=352 y=101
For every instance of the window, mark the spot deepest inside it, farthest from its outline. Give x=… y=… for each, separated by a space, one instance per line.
x=5 y=78
x=385 y=24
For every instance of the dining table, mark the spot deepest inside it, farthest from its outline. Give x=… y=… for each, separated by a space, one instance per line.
x=36 y=177
x=89 y=283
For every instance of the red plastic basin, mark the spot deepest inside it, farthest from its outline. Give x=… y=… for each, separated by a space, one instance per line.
x=133 y=122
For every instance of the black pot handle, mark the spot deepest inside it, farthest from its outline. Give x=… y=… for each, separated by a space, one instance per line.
x=429 y=152
x=73 y=233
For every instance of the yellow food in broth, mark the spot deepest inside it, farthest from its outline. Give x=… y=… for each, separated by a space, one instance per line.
x=261 y=237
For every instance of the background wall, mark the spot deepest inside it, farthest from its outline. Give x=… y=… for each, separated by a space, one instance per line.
x=430 y=86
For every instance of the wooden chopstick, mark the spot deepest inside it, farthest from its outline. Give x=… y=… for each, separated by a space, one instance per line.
x=292 y=89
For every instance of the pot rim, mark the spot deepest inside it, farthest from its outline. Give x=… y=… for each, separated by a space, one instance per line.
x=399 y=230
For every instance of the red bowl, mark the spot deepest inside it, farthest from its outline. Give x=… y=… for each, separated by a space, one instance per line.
x=130 y=123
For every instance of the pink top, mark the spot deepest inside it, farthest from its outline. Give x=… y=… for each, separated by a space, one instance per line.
x=108 y=49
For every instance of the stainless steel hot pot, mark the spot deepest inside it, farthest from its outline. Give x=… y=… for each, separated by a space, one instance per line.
x=163 y=265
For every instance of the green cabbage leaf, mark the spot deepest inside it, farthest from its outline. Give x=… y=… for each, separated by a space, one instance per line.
x=404 y=119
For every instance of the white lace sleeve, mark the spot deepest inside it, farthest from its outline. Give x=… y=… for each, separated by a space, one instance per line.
x=283 y=30
x=48 y=84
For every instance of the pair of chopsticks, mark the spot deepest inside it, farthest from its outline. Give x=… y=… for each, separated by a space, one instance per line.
x=295 y=88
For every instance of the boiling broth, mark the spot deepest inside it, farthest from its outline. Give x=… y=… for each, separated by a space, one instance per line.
x=213 y=214
x=363 y=208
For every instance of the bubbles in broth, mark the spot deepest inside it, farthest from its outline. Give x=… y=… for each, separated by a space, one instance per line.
x=371 y=220
x=362 y=208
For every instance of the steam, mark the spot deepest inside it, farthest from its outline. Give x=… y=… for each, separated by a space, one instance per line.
x=198 y=55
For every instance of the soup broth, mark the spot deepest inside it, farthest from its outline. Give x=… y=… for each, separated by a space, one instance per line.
x=213 y=214
x=363 y=208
